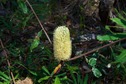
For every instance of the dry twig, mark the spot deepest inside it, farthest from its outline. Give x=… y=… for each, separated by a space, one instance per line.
x=8 y=62
x=39 y=21
x=89 y=52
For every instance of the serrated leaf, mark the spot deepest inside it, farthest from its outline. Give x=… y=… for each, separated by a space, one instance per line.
x=43 y=79
x=92 y=61
x=96 y=72
x=119 y=22
x=57 y=81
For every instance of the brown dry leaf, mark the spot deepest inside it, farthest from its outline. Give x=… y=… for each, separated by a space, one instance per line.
x=25 y=81
x=68 y=23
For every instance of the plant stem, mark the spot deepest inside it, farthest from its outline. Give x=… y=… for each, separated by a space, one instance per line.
x=8 y=62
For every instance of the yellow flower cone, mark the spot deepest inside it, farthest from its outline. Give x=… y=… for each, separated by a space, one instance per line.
x=62 y=43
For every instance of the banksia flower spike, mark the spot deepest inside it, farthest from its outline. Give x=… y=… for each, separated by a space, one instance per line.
x=62 y=43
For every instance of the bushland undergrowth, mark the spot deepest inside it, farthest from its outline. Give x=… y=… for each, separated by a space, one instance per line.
x=98 y=42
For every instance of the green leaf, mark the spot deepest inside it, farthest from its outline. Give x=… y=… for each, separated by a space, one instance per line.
x=108 y=28
x=61 y=75
x=64 y=78
x=86 y=79
x=33 y=73
x=96 y=72
x=34 y=44
x=57 y=81
x=43 y=79
x=107 y=37
x=36 y=41
x=92 y=61
x=4 y=77
x=23 y=6
x=111 y=36
x=119 y=22
x=39 y=34
x=73 y=77
x=46 y=70
x=79 y=80
x=72 y=68
x=16 y=76
x=5 y=82
x=26 y=19
x=122 y=57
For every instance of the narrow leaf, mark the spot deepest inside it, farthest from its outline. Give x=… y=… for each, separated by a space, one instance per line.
x=57 y=81
x=33 y=73
x=46 y=70
x=3 y=75
x=122 y=57
x=43 y=79
x=23 y=6
x=107 y=37
x=86 y=79
x=119 y=22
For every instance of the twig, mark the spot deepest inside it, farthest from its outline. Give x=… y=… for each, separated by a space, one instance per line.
x=89 y=52
x=7 y=60
x=38 y=21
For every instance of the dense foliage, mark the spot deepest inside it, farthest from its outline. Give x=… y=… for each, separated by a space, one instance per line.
x=97 y=29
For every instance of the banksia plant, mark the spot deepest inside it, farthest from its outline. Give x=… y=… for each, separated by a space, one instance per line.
x=62 y=43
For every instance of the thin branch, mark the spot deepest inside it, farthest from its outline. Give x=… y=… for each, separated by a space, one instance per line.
x=39 y=21
x=89 y=52
x=8 y=62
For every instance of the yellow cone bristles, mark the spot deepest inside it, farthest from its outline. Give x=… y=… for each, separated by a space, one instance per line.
x=62 y=43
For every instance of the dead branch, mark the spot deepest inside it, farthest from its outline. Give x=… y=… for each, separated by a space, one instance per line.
x=39 y=21
x=89 y=52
